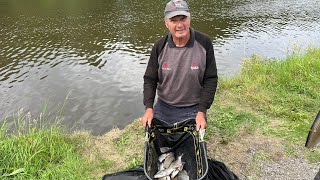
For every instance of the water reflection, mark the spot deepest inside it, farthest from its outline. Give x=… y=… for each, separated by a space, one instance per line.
x=98 y=50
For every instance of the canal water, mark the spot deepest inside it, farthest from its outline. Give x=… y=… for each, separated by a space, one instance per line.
x=84 y=59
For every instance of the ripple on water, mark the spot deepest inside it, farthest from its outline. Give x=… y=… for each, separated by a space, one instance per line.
x=100 y=50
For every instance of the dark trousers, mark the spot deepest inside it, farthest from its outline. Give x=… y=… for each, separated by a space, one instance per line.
x=172 y=114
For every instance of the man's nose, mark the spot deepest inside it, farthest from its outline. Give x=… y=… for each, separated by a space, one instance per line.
x=179 y=23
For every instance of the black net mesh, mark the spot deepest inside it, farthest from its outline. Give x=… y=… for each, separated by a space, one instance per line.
x=181 y=139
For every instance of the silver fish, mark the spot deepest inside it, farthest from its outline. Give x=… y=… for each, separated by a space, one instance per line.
x=164 y=149
x=162 y=157
x=183 y=175
x=174 y=173
x=169 y=159
x=160 y=167
x=177 y=164
x=170 y=168
x=163 y=173
x=165 y=178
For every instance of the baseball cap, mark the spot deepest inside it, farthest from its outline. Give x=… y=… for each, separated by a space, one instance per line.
x=175 y=8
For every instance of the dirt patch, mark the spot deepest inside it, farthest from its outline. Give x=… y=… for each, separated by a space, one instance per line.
x=255 y=156
x=251 y=156
x=102 y=149
x=241 y=153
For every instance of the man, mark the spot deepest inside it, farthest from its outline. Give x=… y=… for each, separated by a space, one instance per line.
x=182 y=70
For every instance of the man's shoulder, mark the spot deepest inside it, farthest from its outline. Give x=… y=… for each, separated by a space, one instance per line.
x=160 y=43
x=201 y=36
x=161 y=40
x=203 y=39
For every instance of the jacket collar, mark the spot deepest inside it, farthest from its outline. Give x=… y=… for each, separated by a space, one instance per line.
x=189 y=43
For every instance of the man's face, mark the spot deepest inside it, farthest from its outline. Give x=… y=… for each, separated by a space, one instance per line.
x=178 y=26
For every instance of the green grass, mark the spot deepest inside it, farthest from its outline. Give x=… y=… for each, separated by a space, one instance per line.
x=226 y=122
x=127 y=146
x=275 y=97
x=314 y=156
x=122 y=142
x=122 y=146
x=287 y=90
x=40 y=152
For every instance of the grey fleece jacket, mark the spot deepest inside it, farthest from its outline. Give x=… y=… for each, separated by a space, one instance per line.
x=182 y=76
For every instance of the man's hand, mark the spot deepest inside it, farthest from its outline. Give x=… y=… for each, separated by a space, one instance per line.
x=201 y=121
x=147 y=117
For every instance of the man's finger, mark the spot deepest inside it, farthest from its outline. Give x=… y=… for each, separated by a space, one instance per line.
x=198 y=127
x=149 y=123
x=143 y=122
x=204 y=126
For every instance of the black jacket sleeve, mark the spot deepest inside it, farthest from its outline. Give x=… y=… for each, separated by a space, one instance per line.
x=151 y=75
x=210 y=80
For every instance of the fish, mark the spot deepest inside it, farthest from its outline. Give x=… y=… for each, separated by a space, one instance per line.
x=169 y=167
x=174 y=173
x=169 y=159
x=177 y=164
x=162 y=157
x=183 y=175
x=164 y=149
x=165 y=178
x=160 y=167
x=163 y=173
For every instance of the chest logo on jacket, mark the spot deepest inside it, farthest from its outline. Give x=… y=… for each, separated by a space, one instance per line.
x=165 y=66
x=194 y=66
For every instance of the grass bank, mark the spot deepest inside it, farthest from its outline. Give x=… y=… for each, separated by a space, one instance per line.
x=261 y=115
x=37 y=151
x=286 y=92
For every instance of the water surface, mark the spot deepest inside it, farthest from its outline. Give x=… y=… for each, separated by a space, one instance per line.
x=95 y=51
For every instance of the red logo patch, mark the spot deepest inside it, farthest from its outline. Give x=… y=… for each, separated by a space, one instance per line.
x=165 y=66
x=194 y=66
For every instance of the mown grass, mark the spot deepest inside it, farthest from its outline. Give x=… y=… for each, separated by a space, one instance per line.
x=277 y=98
